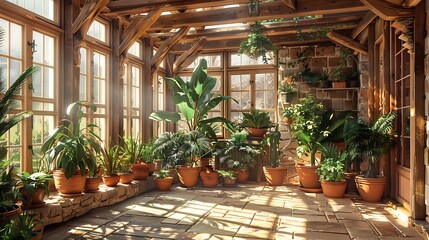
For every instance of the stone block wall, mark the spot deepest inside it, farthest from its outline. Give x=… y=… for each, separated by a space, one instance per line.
x=364 y=84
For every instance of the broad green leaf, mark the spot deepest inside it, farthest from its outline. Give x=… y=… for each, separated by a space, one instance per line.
x=165 y=116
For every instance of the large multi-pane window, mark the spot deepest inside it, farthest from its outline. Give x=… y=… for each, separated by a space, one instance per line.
x=131 y=100
x=159 y=101
x=213 y=61
x=243 y=60
x=45 y=8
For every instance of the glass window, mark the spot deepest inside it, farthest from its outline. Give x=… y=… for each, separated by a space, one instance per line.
x=159 y=101
x=131 y=100
x=98 y=30
x=45 y=8
x=135 y=50
x=213 y=61
x=243 y=60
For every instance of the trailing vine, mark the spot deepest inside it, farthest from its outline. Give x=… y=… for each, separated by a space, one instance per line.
x=257 y=45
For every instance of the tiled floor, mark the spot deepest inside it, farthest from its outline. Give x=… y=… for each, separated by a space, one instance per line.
x=248 y=211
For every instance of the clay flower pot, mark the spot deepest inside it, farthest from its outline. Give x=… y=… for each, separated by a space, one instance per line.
x=91 y=184
x=188 y=176
x=229 y=181
x=140 y=170
x=334 y=189
x=36 y=200
x=126 y=178
x=164 y=184
x=257 y=132
x=111 y=181
x=275 y=176
x=371 y=189
x=5 y=216
x=151 y=168
x=339 y=84
x=69 y=187
x=308 y=178
x=242 y=175
x=210 y=179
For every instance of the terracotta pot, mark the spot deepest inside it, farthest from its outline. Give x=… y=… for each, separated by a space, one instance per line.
x=351 y=182
x=140 y=170
x=5 y=216
x=158 y=164
x=164 y=184
x=341 y=84
x=38 y=236
x=126 y=178
x=228 y=181
x=111 y=181
x=287 y=120
x=242 y=175
x=71 y=186
x=371 y=189
x=37 y=197
x=188 y=176
x=91 y=184
x=51 y=186
x=39 y=227
x=275 y=176
x=204 y=162
x=334 y=189
x=151 y=168
x=308 y=178
x=257 y=132
x=210 y=179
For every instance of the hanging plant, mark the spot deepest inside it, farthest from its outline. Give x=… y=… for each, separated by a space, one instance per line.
x=257 y=45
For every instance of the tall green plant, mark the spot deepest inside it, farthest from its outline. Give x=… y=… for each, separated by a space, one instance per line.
x=72 y=146
x=273 y=142
x=370 y=140
x=237 y=153
x=332 y=166
x=194 y=99
x=111 y=159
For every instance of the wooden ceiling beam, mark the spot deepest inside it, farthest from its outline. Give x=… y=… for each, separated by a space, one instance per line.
x=267 y=10
x=87 y=15
x=129 y=7
x=290 y=3
x=347 y=42
x=188 y=61
x=166 y=46
x=411 y=3
x=184 y=59
x=136 y=28
x=369 y=17
x=388 y=11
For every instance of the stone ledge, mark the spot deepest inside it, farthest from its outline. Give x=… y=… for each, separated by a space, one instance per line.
x=60 y=209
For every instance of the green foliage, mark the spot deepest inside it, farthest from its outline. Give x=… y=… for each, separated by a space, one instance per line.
x=146 y=151
x=194 y=99
x=24 y=226
x=332 y=166
x=29 y=182
x=163 y=174
x=273 y=142
x=237 y=153
x=309 y=76
x=257 y=45
x=338 y=74
x=8 y=194
x=72 y=146
x=230 y=174
x=285 y=87
x=369 y=140
x=111 y=159
x=133 y=149
x=256 y=119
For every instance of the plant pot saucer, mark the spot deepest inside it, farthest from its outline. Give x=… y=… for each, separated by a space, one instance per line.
x=311 y=190
x=70 y=195
x=91 y=191
x=34 y=206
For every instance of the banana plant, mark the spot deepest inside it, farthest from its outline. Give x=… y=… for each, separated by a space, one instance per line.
x=194 y=99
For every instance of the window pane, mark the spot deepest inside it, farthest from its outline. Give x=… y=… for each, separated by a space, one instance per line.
x=97 y=30
x=15 y=43
x=48 y=82
x=45 y=8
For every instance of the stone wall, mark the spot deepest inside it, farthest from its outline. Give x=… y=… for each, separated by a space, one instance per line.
x=364 y=84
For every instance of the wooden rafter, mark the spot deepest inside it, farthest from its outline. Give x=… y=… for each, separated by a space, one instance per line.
x=87 y=15
x=137 y=27
x=369 y=17
x=347 y=42
x=290 y=3
x=180 y=61
x=388 y=11
x=129 y=7
x=188 y=61
x=268 y=10
x=411 y=3
x=166 y=46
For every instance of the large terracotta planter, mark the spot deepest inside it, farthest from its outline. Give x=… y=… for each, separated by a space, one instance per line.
x=308 y=178
x=257 y=132
x=91 y=184
x=126 y=178
x=140 y=170
x=371 y=189
x=164 y=184
x=275 y=176
x=69 y=187
x=210 y=179
x=334 y=189
x=188 y=176
x=242 y=175
x=6 y=216
x=36 y=199
x=111 y=181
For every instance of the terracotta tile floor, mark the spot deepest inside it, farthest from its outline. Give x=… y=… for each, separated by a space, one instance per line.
x=247 y=211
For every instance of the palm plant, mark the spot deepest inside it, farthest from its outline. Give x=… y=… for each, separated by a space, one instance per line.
x=369 y=140
x=111 y=160
x=256 y=119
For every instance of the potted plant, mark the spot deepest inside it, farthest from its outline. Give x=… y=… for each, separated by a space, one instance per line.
x=256 y=122
x=33 y=188
x=110 y=159
x=126 y=176
x=274 y=174
x=257 y=45
x=163 y=180
x=312 y=126
x=146 y=154
x=338 y=77
x=352 y=79
x=8 y=194
x=209 y=176
x=73 y=149
x=132 y=152
x=286 y=90
x=229 y=177
x=370 y=141
x=331 y=171
x=93 y=180
x=24 y=226
x=239 y=155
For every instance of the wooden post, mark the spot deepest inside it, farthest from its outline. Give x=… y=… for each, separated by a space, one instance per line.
x=146 y=100
x=417 y=121
x=385 y=94
x=371 y=60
